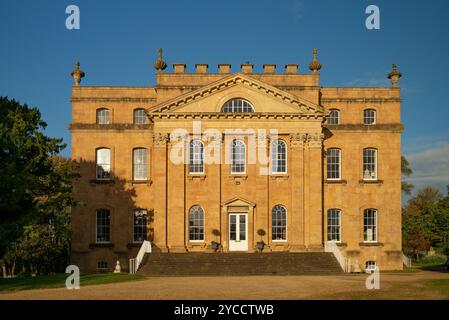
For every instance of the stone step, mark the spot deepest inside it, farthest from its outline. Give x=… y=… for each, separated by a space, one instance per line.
x=275 y=263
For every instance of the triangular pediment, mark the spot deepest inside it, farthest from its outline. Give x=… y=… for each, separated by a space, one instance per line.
x=207 y=98
x=237 y=202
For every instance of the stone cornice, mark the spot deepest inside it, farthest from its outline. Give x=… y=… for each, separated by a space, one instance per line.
x=228 y=115
x=232 y=80
x=393 y=127
x=114 y=126
x=106 y=100
x=360 y=100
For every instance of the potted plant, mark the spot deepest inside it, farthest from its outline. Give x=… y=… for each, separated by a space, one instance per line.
x=260 y=244
x=214 y=244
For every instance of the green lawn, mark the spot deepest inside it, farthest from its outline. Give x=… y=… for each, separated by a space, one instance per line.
x=440 y=285
x=58 y=281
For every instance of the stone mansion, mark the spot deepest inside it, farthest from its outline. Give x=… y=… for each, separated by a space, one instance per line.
x=217 y=156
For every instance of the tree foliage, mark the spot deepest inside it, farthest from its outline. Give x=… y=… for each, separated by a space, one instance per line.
x=35 y=190
x=406 y=171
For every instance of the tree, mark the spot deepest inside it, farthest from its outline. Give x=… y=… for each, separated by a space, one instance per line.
x=406 y=171
x=35 y=186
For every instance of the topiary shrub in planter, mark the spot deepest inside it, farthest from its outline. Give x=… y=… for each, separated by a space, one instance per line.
x=260 y=244
x=214 y=244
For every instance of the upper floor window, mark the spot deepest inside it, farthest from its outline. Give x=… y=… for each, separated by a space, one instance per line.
x=333 y=164
x=369 y=116
x=140 y=116
x=196 y=224
x=103 y=116
x=278 y=157
x=103 y=164
x=140 y=164
x=334 y=117
x=279 y=223
x=237 y=105
x=369 y=164
x=238 y=156
x=140 y=226
x=370 y=225
x=103 y=225
x=196 y=157
x=333 y=225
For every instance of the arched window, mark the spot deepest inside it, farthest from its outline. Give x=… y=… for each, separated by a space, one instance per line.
x=238 y=156
x=103 y=116
x=279 y=223
x=196 y=223
x=103 y=164
x=140 y=225
x=333 y=164
x=196 y=154
x=334 y=116
x=237 y=105
x=369 y=116
x=140 y=164
x=278 y=157
x=370 y=225
x=103 y=225
x=369 y=164
x=334 y=225
x=140 y=116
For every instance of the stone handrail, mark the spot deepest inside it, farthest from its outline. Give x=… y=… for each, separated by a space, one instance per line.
x=135 y=263
x=330 y=246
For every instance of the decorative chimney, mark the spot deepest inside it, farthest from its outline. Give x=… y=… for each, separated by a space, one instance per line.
x=315 y=65
x=394 y=76
x=224 y=68
x=247 y=67
x=160 y=64
x=179 y=68
x=291 y=68
x=77 y=74
x=201 y=67
x=269 y=68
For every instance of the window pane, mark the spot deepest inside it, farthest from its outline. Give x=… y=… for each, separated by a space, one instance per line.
x=140 y=164
x=279 y=156
x=333 y=225
x=242 y=227
x=369 y=116
x=103 y=116
x=232 y=227
x=237 y=105
x=279 y=223
x=102 y=221
x=238 y=156
x=333 y=163
x=369 y=164
x=140 y=225
x=196 y=161
x=140 y=116
x=196 y=223
x=103 y=164
x=370 y=225
x=334 y=117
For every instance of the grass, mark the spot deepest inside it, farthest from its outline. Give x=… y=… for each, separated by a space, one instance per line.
x=439 y=285
x=58 y=281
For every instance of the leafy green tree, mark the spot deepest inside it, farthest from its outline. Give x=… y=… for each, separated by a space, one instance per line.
x=35 y=187
x=406 y=171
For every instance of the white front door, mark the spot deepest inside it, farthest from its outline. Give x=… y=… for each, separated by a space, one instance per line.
x=238 y=232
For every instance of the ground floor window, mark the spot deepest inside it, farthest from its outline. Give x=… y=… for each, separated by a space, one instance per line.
x=102 y=265
x=140 y=225
x=279 y=223
x=103 y=225
x=196 y=224
x=333 y=225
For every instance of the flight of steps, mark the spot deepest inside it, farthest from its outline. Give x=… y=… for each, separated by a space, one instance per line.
x=239 y=264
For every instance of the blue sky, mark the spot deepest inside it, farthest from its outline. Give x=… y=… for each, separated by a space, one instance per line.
x=118 y=41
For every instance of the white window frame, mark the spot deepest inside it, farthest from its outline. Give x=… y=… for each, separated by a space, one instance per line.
x=193 y=155
x=101 y=116
x=338 y=211
x=203 y=226
x=339 y=164
x=96 y=225
x=142 y=213
x=370 y=266
x=232 y=106
x=366 y=164
x=365 y=117
x=239 y=162
x=338 y=116
x=286 y=224
x=273 y=156
x=367 y=226
x=135 y=115
x=99 y=164
x=144 y=165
